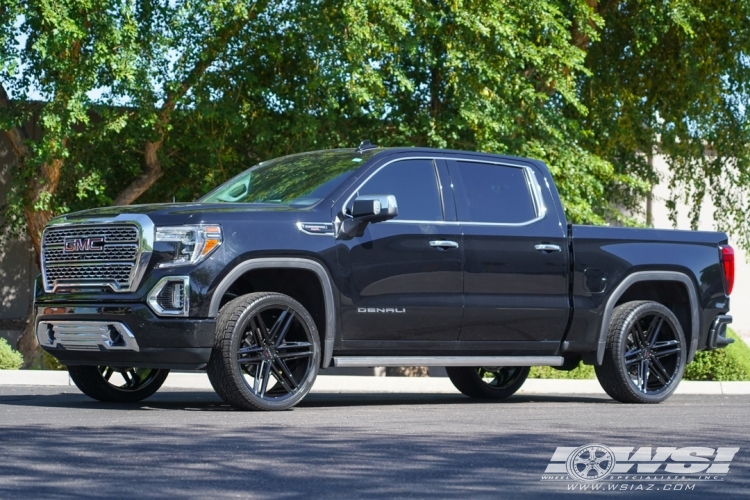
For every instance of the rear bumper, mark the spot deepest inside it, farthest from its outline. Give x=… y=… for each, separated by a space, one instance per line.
x=717 y=335
x=128 y=335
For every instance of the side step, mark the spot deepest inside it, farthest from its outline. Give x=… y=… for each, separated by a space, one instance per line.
x=372 y=361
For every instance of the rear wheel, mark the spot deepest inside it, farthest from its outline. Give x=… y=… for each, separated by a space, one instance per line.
x=113 y=384
x=266 y=354
x=645 y=354
x=496 y=382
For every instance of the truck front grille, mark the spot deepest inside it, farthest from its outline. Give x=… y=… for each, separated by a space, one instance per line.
x=90 y=256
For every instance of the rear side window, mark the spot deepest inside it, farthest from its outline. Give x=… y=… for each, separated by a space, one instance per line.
x=414 y=184
x=488 y=192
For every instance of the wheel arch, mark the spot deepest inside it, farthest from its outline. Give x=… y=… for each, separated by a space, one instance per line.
x=628 y=290
x=286 y=264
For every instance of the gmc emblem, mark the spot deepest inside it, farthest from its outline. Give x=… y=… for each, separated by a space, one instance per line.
x=84 y=244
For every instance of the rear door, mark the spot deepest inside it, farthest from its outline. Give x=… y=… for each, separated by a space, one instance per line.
x=515 y=254
x=402 y=279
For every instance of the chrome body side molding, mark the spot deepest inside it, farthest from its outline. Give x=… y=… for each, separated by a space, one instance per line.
x=289 y=263
x=371 y=361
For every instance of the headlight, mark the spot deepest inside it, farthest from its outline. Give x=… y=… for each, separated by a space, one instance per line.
x=191 y=244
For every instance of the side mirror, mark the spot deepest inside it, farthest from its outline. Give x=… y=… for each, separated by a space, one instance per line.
x=374 y=208
x=370 y=208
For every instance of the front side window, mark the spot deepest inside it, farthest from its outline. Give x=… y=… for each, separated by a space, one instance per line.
x=492 y=193
x=298 y=180
x=414 y=184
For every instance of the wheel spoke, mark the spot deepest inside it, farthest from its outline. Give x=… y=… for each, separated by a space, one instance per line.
x=249 y=350
x=666 y=348
x=281 y=334
x=632 y=356
x=660 y=372
x=654 y=329
x=266 y=375
x=258 y=376
x=108 y=373
x=646 y=372
x=639 y=337
x=285 y=376
x=262 y=329
x=290 y=345
x=295 y=355
x=250 y=360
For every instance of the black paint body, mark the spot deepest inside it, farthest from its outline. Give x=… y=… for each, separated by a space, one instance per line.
x=494 y=294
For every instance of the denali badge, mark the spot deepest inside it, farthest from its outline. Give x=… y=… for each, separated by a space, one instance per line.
x=84 y=244
x=381 y=309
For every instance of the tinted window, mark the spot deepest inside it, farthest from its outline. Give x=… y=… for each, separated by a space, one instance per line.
x=492 y=193
x=414 y=184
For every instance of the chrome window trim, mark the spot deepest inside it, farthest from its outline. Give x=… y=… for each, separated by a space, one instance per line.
x=154 y=304
x=535 y=191
x=433 y=159
x=146 y=245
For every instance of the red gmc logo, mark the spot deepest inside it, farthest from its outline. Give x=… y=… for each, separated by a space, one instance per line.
x=84 y=245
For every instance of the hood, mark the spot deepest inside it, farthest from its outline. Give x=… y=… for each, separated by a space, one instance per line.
x=183 y=213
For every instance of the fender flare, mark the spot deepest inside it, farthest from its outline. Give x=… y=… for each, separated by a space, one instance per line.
x=651 y=276
x=286 y=263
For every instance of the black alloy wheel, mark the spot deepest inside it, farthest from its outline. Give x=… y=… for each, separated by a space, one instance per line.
x=267 y=352
x=115 y=384
x=497 y=382
x=645 y=354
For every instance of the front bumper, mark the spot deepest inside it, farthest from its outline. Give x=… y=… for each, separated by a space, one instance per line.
x=123 y=335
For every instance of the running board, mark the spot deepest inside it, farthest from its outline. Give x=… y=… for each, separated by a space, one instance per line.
x=372 y=361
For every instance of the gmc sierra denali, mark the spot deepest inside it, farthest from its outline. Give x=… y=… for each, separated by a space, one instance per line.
x=375 y=257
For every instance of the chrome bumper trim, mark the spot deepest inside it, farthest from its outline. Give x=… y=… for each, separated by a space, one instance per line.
x=86 y=336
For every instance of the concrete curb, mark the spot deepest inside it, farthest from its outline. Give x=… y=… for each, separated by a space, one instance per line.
x=400 y=385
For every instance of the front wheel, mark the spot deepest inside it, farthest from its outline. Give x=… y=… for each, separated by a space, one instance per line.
x=497 y=382
x=266 y=353
x=645 y=353
x=113 y=384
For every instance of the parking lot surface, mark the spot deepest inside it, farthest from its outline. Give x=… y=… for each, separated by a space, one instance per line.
x=57 y=443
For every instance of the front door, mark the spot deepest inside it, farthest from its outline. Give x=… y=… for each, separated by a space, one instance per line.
x=515 y=255
x=402 y=279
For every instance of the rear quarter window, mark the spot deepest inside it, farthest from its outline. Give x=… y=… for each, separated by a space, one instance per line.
x=487 y=192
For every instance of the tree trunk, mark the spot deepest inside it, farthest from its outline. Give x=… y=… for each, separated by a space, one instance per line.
x=151 y=173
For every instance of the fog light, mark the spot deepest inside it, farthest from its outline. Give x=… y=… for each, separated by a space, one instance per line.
x=170 y=296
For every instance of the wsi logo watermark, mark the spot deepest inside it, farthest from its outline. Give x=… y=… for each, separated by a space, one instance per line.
x=662 y=468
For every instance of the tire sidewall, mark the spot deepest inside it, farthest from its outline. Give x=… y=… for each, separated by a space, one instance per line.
x=634 y=315
x=240 y=327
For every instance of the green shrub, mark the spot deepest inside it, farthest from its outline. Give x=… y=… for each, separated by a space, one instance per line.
x=10 y=359
x=730 y=363
x=580 y=372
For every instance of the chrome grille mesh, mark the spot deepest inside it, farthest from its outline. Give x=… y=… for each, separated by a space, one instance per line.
x=113 y=264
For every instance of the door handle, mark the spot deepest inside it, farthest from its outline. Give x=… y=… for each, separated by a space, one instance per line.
x=443 y=244
x=546 y=247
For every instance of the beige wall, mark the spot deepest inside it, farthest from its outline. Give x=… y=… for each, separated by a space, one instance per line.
x=741 y=292
x=17 y=266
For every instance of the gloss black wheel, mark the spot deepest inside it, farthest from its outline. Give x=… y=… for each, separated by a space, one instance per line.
x=645 y=354
x=267 y=352
x=115 y=384
x=488 y=382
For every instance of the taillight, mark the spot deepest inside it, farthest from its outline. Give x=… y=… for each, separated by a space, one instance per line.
x=727 y=262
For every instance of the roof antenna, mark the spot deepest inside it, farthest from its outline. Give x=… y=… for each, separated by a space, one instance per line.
x=365 y=145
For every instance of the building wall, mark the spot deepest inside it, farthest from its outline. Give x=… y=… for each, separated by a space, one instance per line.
x=660 y=218
x=17 y=262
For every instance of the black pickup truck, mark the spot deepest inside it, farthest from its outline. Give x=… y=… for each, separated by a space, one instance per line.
x=375 y=257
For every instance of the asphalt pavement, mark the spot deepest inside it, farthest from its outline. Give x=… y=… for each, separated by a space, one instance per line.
x=57 y=443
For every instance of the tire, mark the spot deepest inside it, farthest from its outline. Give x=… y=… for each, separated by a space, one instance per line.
x=645 y=354
x=138 y=383
x=488 y=382
x=248 y=356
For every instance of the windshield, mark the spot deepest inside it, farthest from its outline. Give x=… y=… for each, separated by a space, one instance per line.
x=299 y=180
